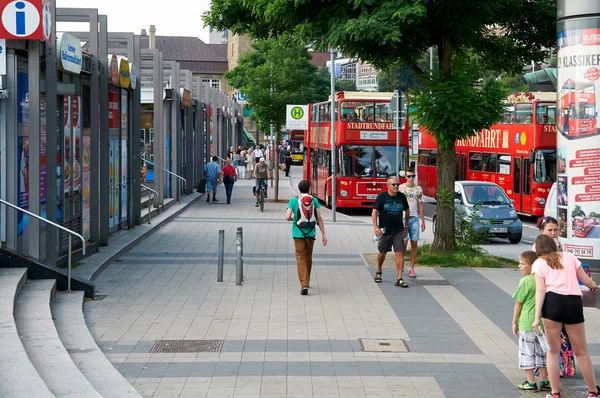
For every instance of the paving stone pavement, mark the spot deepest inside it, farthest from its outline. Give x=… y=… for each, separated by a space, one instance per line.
x=280 y=344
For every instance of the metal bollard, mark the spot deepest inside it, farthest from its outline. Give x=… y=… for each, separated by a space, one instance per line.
x=239 y=264
x=221 y=255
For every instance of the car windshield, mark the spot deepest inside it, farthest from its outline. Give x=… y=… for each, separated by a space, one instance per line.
x=485 y=195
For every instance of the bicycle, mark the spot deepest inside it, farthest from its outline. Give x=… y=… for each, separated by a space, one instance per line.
x=261 y=197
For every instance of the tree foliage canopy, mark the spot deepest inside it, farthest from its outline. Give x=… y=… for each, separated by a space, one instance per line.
x=276 y=74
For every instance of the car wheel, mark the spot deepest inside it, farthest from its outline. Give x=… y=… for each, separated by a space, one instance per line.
x=515 y=240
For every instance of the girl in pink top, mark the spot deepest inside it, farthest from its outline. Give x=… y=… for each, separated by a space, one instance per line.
x=558 y=302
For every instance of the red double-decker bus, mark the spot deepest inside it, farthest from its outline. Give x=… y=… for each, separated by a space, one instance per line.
x=365 y=145
x=577 y=116
x=519 y=154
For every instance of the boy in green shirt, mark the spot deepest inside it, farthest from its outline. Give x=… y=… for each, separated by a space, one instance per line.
x=531 y=355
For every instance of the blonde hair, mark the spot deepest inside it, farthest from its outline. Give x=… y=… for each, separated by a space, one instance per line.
x=546 y=249
x=528 y=257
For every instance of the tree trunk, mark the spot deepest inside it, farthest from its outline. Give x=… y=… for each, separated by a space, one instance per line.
x=443 y=241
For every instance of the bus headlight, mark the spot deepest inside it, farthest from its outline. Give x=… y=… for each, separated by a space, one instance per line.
x=542 y=201
x=344 y=193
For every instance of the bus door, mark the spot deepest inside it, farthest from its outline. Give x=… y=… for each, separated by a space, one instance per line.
x=314 y=185
x=521 y=184
x=461 y=167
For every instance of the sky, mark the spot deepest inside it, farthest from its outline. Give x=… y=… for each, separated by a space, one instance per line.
x=175 y=18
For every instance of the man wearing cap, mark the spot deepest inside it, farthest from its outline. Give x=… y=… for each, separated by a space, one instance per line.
x=261 y=173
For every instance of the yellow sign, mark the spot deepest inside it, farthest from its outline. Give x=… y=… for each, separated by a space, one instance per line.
x=523 y=139
x=297 y=112
x=124 y=74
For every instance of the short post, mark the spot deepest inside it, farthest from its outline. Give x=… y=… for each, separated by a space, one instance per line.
x=221 y=255
x=239 y=264
x=69 y=265
x=150 y=207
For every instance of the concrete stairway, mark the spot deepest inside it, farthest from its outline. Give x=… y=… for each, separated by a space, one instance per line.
x=47 y=348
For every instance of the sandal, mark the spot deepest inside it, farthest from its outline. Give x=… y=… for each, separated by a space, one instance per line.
x=378 y=277
x=401 y=283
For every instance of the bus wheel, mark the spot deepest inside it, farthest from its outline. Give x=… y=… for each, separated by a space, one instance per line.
x=515 y=240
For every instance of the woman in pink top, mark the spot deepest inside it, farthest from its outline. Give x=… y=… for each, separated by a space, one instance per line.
x=558 y=302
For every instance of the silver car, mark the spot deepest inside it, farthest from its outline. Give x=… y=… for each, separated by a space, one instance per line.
x=487 y=208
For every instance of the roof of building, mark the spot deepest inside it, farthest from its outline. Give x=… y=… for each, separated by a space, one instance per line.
x=191 y=53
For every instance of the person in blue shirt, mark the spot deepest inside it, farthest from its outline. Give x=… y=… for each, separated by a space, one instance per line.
x=213 y=177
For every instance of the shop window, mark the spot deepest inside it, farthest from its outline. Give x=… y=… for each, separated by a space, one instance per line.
x=475 y=161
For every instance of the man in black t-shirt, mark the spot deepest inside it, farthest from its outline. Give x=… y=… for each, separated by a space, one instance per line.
x=387 y=213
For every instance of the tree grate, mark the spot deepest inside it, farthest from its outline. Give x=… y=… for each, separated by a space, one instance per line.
x=186 y=346
x=433 y=282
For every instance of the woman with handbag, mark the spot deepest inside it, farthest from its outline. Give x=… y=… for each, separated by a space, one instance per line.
x=229 y=178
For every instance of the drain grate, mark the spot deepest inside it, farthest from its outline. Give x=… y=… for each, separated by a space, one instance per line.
x=433 y=282
x=383 y=345
x=186 y=346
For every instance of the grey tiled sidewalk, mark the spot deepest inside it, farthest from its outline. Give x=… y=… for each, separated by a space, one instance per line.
x=280 y=344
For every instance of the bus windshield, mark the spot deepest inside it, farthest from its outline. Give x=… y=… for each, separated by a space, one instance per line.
x=366 y=111
x=546 y=113
x=357 y=160
x=544 y=166
x=583 y=111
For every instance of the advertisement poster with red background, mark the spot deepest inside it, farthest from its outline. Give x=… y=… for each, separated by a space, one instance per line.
x=578 y=141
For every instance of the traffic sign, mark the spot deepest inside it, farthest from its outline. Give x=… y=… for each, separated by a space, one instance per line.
x=47 y=20
x=296 y=117
x=241 y=98
x=25 y=20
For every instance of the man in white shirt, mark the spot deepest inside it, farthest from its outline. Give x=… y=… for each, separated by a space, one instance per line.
x=414 y=196
x=258 y=153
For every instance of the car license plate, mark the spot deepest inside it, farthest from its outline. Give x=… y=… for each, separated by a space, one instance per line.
x=498 y=230
x=372 y=197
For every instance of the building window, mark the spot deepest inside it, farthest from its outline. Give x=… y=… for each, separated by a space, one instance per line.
x=214 y=83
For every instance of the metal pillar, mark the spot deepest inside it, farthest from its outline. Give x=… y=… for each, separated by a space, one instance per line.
x=104 y=142
x=333 y=147
x=136 y=162
x=12 y=110
x=33 y=64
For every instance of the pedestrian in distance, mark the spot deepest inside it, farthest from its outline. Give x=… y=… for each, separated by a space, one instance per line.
x=229 y=178
x=288 y=162
x=250 y=162
x=390 y=227
x=258 y=153
x=558 y=302
x=281 y=157
x=416 y=223
x=531 y=354
x=213 y=178
x=303 y=212
x=241 y=169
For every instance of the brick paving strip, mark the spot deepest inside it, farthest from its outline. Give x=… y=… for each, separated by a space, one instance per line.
x=277 y=343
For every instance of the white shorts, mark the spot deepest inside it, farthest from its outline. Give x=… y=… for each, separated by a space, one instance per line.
x=531 y=355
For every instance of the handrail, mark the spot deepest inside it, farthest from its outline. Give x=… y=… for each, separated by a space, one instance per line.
x=173 y=174
x=150 y=207
x=67 y=230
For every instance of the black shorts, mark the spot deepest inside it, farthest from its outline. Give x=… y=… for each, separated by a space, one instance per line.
x=562 y=308
x=387 y=241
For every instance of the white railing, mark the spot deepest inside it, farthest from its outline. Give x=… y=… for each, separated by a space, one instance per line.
x=174 y=175
x=151 y=198
x=67 y=230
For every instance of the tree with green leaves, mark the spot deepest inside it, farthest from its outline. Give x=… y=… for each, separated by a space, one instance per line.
x=277 y=73
x=470 y=36
x=577 y=211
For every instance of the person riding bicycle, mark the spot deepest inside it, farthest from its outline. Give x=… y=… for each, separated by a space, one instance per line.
x=261 y=173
